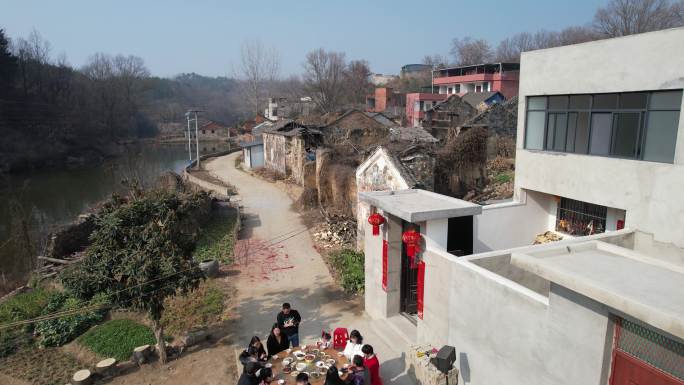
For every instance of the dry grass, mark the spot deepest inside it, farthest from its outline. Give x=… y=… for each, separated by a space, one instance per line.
x=41 y=366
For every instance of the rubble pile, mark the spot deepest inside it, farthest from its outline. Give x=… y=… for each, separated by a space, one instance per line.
x=547 y=237
x=336 y=232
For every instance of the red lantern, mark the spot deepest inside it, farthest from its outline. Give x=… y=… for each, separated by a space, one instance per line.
x=376 y=220
x=412 y=240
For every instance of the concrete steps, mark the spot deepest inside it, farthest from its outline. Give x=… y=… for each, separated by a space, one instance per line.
x=397 y=332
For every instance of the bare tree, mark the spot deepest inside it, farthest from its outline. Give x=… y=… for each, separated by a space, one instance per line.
x=509 y=49
x=467 y=51
x=259 y=67
x=627 y=17
x=436 y=61
x=323 y=76
x=357 y=81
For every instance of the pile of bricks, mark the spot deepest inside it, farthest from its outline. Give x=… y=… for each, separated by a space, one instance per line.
x=427 y=374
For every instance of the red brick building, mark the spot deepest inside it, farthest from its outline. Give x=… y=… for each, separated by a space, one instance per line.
x=501 y=77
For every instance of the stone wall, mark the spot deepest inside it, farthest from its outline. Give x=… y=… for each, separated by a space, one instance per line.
x=275 y=152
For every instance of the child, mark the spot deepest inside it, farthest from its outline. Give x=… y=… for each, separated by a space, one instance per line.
x=325 y=341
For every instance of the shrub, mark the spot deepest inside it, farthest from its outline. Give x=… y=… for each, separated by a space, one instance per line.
x=117 y=338
x=503 y=178
x=217 y=239
x=199 y=307
x=59 y=331
x=349 y=264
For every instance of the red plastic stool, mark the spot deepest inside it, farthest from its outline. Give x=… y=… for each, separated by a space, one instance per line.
x=340 y=337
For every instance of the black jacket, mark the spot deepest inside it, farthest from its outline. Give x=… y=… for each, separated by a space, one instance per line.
x=282 y=318
x=246 y=379
x=274 y=347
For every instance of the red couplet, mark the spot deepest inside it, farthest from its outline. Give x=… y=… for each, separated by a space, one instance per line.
x=384 y=265
x=420 y=289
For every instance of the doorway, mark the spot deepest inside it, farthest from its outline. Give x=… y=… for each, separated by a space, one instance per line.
x=409 y=279
x=460 y=236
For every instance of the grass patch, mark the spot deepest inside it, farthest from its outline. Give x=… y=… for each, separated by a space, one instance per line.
x=217 y=239
x=59 y=331
x=24 y=306
x=41 y=366
x=117 y=338
x=349 y=265
x=200 y=307
x=503 y=178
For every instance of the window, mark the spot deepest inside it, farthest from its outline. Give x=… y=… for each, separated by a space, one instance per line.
x=450 y=90
x=580 y=218
x=634 y=125
x=457 y=89
x=478 y=88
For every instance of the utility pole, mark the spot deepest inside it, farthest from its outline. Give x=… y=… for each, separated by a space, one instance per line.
x=194 y=112
x=187 y=116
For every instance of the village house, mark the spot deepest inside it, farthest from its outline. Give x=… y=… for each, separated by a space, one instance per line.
x=252 y=145
x=282 y=108
x=208 y=130
x=599 y=164
x=290 y=148
x=387 y=101
x=501 y=77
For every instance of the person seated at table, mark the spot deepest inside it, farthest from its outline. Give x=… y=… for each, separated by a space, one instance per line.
x=332 y=377
x=325 y=341
x=370 y=361
x=276 y=342
x=354 y=345
x=302 y=379
x=265 y=376
x=358 y=374
x=249 y=376
x=254 y=353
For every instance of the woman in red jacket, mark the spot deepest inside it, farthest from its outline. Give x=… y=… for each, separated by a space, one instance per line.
x=370 y=361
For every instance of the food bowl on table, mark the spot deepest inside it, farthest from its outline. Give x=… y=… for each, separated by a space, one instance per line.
x=287 y=361
x=287 y=369
x=309 y=357
x=294 y=373
x=330 y=362
x=315 y=375
x=301 y=366
x=320 y=364
x=315 y=351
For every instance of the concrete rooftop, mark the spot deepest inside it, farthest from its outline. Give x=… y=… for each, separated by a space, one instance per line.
x=641 y=286
x=419 y=205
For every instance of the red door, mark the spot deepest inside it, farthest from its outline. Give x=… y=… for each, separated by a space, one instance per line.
x=642 y=356
x=628 y=370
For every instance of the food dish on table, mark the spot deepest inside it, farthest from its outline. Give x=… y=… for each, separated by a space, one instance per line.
x=301 y=366
x=330 y=362
x=294 y=373
x=309 y=357
x=287 y=361
x=287 y=369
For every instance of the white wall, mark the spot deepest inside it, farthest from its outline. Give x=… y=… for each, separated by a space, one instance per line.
x=651 y=193
x=514 y=224
x=506 y=333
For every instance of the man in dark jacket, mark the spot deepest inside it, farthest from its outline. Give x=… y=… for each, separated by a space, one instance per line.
x=249 y=376
x=288 y=321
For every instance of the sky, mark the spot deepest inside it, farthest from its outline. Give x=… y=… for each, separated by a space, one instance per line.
x=202 y=36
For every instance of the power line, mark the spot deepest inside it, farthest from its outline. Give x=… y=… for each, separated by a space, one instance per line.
x=273 y=241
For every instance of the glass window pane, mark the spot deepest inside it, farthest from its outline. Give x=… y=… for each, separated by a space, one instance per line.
x=536 y=103
x=582 y=134
x=605 y=101
x=534 y=131
x=661 y=135
x=626 y=131
x=572 y=126
x=580 y=101
x=633 y=100
x=670 y=100
x=559 y=136
x=558 y=102
x=550 y=129
x=600 y=134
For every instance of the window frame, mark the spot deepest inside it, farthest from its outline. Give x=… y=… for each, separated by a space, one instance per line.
x=642 y=128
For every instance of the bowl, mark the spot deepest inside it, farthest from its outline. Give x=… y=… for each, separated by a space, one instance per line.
x=294 y=373
x=287 y=361
x=300 y=357
x=320 y=364
x=331 y=362
x=301 y=366
x=315 y=375
x=309 y=357
x=315 y=351
x=287 y=369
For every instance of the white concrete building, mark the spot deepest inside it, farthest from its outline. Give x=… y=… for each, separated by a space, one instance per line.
x=600 y=161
